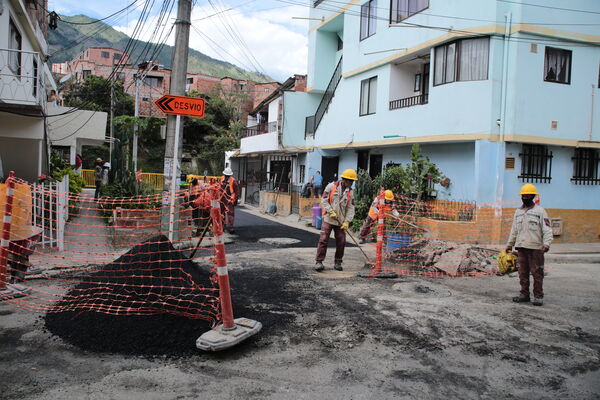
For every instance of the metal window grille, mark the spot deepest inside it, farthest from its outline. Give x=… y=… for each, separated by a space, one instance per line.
x=585 y=167
x=536 y=164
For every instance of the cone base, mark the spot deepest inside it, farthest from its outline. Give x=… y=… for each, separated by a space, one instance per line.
x=219 y=338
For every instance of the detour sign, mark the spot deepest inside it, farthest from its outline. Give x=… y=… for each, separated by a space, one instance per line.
x=181 y=105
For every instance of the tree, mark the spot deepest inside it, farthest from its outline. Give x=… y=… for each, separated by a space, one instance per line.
x=208 y=138
x=94 y=94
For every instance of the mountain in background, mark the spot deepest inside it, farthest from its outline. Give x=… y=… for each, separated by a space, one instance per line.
x=68 y=40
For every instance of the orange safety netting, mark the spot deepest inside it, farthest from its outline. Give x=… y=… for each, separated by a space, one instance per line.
x=440 y=238
x=112 y=255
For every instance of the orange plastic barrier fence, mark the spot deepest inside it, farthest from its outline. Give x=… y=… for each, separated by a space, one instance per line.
x=117 y=259
x=443 y=239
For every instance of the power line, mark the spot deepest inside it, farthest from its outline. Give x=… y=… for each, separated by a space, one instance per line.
x=101 y=19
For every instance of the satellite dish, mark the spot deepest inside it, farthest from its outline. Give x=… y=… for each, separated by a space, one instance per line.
x=65 y=78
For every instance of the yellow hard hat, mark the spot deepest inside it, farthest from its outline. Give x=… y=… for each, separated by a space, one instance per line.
x=528 y=188
x=389 y=195
x=350 y=174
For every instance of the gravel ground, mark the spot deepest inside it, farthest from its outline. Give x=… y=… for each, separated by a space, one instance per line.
x=329 y=335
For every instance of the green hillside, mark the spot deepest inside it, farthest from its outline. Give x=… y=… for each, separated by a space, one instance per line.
x=69 y=40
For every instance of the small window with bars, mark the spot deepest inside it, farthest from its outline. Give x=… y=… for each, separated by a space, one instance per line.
x=536 y=164
x=585 y=167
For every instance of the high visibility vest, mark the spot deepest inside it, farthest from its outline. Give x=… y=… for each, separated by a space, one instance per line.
x=387 y=208
x=333 y=190
x=231 y=187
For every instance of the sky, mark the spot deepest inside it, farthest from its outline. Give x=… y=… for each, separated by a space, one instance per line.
x=268 y=40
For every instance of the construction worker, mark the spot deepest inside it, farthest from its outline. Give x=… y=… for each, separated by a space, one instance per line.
x=98 y=177
x=337 y=203
x=531 y=235
x=229 y=199
x=390 y=208
x=199 y=200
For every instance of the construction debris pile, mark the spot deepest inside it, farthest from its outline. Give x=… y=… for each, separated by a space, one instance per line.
x=447 y=258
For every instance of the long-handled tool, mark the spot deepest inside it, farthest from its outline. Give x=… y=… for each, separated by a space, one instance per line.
x=208 y=224
x=369 y=262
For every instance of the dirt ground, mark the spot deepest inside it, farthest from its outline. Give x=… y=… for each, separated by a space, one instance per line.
x=331 y=336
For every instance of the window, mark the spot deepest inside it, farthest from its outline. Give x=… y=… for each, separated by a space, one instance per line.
x=368 y=96
x=536 y=163
x=463 y=60
x=117 y=56
x=86 y=73
x=266 y=90
x=368 y=19
x=301 y=174
x=585 y=167
x=557 y=65
x=153 y=81
x=417 y=87
x=34 y=89
x=121 y=77
x=105 y=54
x=14 y=43
x=402 y=9
x=189 y=81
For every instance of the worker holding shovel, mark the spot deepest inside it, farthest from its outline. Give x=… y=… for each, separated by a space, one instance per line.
x=338 y=211
x=390 y=208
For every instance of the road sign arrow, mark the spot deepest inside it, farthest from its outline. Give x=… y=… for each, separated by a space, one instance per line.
x=181 y=105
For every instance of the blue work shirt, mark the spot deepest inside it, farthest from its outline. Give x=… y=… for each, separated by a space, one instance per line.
x=317 y=180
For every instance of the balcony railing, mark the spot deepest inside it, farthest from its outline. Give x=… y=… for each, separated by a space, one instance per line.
x=22 y=77
x=260 y=129
x=409 y=101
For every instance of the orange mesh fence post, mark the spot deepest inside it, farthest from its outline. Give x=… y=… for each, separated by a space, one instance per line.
x=6 y=222
x=221 y=261
x=380 y=232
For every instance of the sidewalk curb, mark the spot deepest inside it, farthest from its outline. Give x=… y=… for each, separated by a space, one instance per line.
x=573 y=258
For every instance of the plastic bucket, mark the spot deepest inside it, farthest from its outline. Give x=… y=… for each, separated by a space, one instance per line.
x=397 y=241
x=319 y=222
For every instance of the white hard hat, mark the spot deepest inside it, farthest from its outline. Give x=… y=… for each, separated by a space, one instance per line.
x=227 y=171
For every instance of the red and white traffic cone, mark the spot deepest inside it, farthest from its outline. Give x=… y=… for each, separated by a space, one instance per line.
x=8 y=291
x=231 y=331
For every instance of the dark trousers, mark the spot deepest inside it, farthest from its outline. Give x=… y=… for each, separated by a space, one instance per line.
x=366 y=227
x=531 y=261
x=340 y=242
x=97 y=192
x=200 y=215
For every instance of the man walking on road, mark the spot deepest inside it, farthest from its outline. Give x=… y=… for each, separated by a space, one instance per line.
x=338 y=211
x=531 y=236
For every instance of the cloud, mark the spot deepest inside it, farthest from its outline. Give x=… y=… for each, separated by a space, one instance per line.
x=266 y=40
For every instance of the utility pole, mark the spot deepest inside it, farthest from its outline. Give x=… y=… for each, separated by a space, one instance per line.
x=111 y=134
x=178 y=75
x=173 y=146
x=135 y=128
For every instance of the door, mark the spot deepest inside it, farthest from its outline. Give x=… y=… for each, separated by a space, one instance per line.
x=280 y=172
x=329 y=171
x=362 y=160
x=425 y=89
x=375 y=164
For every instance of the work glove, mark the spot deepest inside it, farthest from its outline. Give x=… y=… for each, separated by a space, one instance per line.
x=345 y=225
x=333 y=214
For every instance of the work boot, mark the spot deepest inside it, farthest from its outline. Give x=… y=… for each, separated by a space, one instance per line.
x=537 y=302
x=521 y=299
x=319 y=266
x=338 y=266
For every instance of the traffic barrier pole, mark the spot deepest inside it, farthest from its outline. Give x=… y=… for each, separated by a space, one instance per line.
x=7 y=221
x=221 y=261
x=380 y=232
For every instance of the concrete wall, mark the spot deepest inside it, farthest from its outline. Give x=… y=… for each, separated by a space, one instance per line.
x=297 y=106
x=23 y=156
x=259 y=143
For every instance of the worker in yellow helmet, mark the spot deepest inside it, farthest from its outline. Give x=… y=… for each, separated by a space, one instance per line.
x=531 y=235
x=389 y=208
x=338 y=211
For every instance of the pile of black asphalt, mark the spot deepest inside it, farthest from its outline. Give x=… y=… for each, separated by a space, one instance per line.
x=153 y=301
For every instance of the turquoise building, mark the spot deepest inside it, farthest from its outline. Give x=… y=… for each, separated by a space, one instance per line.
x=497 y=92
